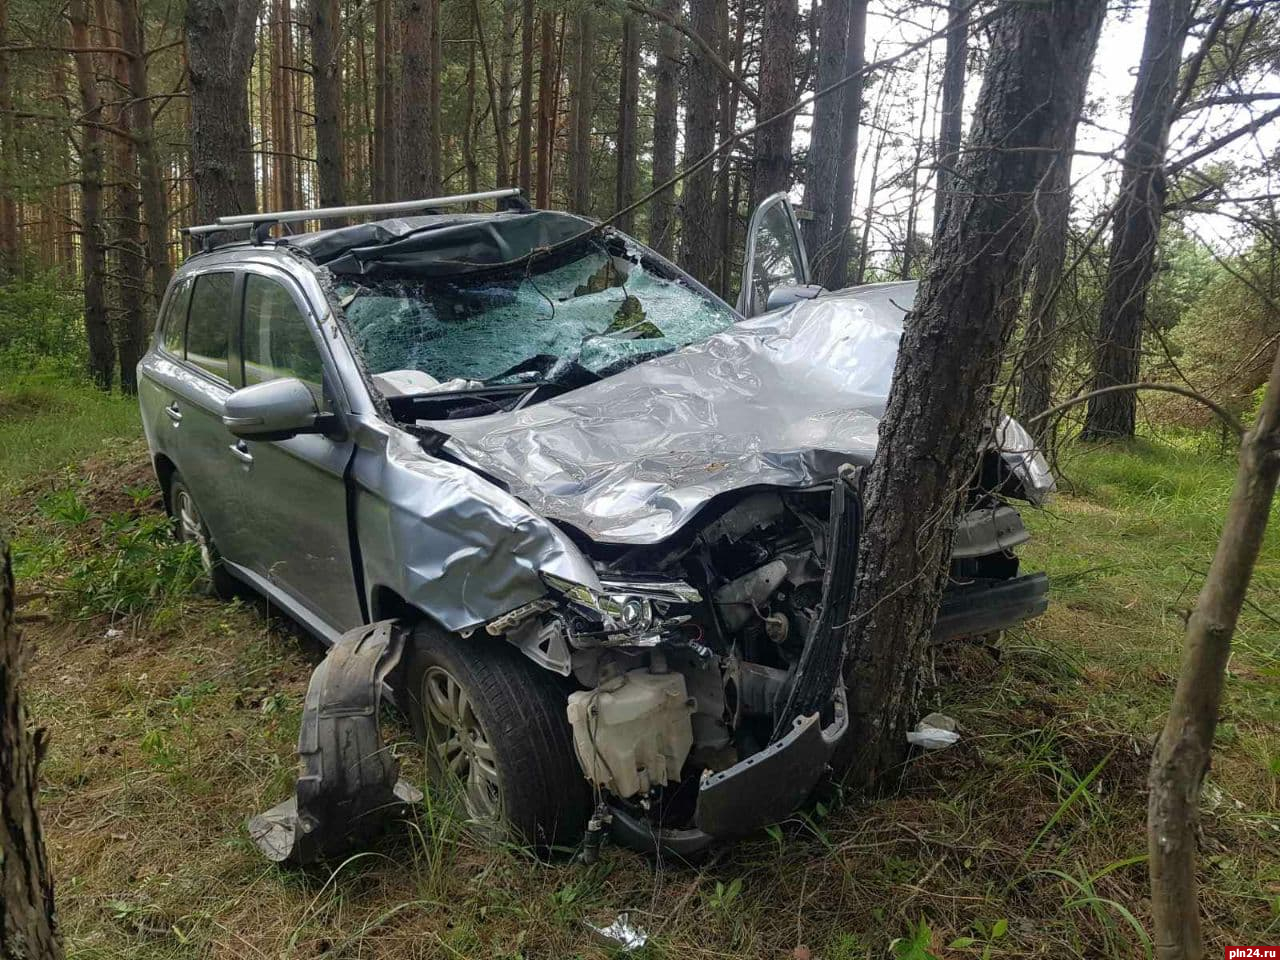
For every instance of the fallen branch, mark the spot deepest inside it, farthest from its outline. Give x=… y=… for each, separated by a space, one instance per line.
x=1220 y=411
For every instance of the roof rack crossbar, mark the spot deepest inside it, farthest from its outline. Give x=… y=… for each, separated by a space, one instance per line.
x=364 y=209
x=214 y=228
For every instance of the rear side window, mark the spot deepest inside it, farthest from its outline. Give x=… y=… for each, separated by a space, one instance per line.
x=276 y=339
x=175 y=318
x=207 y=322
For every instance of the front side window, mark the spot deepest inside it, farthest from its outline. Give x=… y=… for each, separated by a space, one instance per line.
x=277 y=340
x=208 y=323
x=175 y=318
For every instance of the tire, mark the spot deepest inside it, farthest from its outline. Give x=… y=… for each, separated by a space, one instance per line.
x=526 y=784
x=189 y=527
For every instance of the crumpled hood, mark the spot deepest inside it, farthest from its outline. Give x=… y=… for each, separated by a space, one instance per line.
x=779 y=400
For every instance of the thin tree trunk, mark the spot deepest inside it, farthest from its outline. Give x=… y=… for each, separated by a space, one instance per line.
x=524 y=135
x=938 y=410
x=102 y=352
x=665 y=105
x=909 y=242
x=729 y=262
x=326 y=80
x=10 y=258
x=506 y=89
x=419 y=129
x=628 y=106
x=582 y=97
x=546 y=105
x=1183 y=752
x=1137 y=222
x=1048 y=259
x=29 y=926
x=952 y=126
x=495 y=97
x=697 y=231
x=383 y=140
x=837 y=272
x=219 y=37
x=469 y=163
x=777 y=91
x=150 y=172
x=824 y=146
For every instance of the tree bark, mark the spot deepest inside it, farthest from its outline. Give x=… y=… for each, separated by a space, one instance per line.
x=697 y=231
x=666 y=94
x=10 y=256
x=777 y=91
x=938 y=409
x=151 y=174
x=383 y=139
x=837 y=272
x=326 y=80
x=130 y=261
x=506 y=54
x=1137 y=218
x=547 y=100
x=628 y=107
x=582 y=99
x=419 y=154
x=824 y=146
x=102 y=352
x=1048 y=259
x=219 y=47
x=524 y=135
x=494 y=89
x=1182 y=754
x=953 y=70
x=29 y=925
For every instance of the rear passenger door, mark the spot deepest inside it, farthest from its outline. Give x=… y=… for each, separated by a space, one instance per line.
x=195 y=391
x=295 y=489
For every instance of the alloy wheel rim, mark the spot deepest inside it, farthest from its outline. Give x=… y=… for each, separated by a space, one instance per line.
x=458 y=743
x=191 y=529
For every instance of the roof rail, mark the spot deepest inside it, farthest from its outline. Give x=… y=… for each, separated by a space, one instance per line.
x=358 y=210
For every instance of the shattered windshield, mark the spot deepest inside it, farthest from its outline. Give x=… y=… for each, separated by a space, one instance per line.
x=599 y=306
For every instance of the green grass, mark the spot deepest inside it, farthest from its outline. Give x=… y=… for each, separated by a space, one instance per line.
x=172 y=717
x=49 y=422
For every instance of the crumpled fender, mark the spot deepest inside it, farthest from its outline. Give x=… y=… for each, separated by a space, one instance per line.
x=349 y=785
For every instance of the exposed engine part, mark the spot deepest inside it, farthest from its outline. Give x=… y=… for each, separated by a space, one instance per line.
x=753 y=689
x=777 y=628
x=633 y=732
x=738 y=600
x=500 y=625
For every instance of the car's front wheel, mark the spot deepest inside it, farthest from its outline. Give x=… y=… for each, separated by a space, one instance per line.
x=495 y=731
x=189 y=527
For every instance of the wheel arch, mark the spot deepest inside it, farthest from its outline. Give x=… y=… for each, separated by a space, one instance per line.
x=165 y=470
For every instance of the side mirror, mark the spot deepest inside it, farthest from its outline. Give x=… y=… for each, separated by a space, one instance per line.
x=786 y=294
x=275 y=410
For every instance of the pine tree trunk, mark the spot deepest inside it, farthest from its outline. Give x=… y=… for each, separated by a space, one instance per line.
x=505 y=172
x=131 y=263
x=938 y=411
x=777 y=91
x=824 y=146
x=383 y=148
x=952 y=126
x=219 y=37
x=419 y=153
x=628 y=107
x=582 y=100
x=102 y=351
x=1138 y=212
x=1183 y=752
x=697 y=230
x=10 y=259
x=836 y=275
x=547 y=97
x=666 y=95
x=28 y=927
x=326 y=79
x=151 y=173
x=524 y=135
x=910 y=241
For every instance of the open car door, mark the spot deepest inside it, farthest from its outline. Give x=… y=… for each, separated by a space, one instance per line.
x=775 y=272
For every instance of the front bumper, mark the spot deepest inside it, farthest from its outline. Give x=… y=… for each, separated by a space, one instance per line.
x=986 y=606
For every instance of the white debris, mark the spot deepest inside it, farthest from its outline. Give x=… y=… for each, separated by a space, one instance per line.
x=621 y=932
x=937 y=731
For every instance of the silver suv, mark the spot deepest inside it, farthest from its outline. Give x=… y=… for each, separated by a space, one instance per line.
x=591 y=527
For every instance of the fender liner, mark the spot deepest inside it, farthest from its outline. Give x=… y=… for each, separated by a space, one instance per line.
x=349 y=785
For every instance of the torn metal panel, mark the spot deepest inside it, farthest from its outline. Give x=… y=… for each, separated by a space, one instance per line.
x=349 y=786
x=780 y=400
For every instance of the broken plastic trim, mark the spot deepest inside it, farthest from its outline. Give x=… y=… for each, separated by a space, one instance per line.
x=349 y=786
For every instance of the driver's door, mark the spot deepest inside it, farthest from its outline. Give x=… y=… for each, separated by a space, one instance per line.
x=776 y=270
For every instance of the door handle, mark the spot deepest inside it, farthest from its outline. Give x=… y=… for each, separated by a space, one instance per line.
x=240 y=450
x=174 y=413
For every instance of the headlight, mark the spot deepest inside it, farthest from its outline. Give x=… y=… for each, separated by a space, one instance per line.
x=629 y=606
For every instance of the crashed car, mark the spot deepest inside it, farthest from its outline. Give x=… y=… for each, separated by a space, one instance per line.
x=592 y=528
